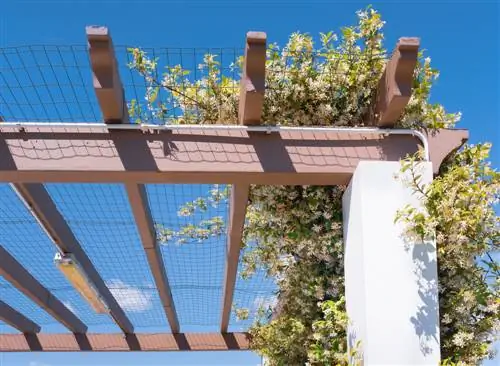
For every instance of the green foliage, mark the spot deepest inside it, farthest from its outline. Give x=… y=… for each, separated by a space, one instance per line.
x=294 y=233
x=459 y=214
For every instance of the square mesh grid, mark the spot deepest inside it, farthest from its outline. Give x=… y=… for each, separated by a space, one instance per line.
x=258 y=291
x=195 y=269
x=22 y=237
x=47 y=84
x=171 y=96
x=101 y=219
x=17 y=300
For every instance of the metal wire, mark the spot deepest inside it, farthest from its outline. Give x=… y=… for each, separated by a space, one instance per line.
x=54 y=83
x=22 y=236
x=101 y=219
x=47 y=83
x=195 y=269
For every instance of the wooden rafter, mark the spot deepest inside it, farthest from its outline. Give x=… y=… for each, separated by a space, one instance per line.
x=17 y=320
x=19 y=277
x=140 y=208
x=253 y=79
x=395 y=86
x=106 y=79
x=252 y=91
x=109 y=91
x=45 y=210
x=119 y=343
x=237 y=206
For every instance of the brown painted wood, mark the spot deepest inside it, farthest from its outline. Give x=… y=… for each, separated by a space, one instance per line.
x=119 y=343
x=17 y=320
x=395 y=86
x=45 y=210
x=20 y=278
x=253 y=79
x=140 y=208
x=238 y=207
x=94 y=154
x=106 y=79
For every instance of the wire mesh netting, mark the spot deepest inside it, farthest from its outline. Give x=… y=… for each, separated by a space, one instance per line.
x=54 y=84
x=22 y=236
x=175 y=85
x=254 y=294
x=195 y=268
x=101 y=219
x=47 y=84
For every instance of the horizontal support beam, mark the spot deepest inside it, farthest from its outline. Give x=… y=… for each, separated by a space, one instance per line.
x=19 y=277
x=120 y=343
x=45 y=210
x=17 y=320
x=216 y=155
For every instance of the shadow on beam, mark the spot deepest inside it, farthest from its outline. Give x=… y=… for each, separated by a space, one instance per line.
x=69 y=342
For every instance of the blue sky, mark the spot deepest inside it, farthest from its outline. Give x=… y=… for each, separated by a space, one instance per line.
x=461 y=37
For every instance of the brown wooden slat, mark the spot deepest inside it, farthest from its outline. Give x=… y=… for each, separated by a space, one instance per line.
x=19 y=277
x=106 y=79
x=395 y=86
x=119 y=343
x=17 y=320
x=94 y=154
x=238 y=206
x=44 y=209
x=140 y=207
x=253 y=79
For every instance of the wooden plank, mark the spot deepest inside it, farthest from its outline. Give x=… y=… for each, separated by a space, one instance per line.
x=118 y=343
x=395 y=85
x=106 y=79
x=140 y=208
x=17 y=320
x=19 y=277
x=253 y=80
x=238 y=206
x=289 y=157
x=45 y=210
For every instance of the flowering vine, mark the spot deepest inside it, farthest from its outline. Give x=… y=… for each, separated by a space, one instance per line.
x=294 y=233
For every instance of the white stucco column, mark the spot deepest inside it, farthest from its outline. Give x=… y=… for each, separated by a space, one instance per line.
x=391 y=284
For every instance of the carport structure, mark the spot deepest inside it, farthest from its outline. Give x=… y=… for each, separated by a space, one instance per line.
x=45 y=164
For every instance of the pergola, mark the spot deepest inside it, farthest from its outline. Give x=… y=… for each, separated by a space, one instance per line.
x=244 y=154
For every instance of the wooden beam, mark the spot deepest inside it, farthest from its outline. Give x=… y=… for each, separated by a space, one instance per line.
x=253 y=80
x=17 y=320
x=395 y=85
x=139 y=203
x=238 y=207
x=118 y=343
x=19 y=277
x=45 y=210
x=106 y=78
x=219 y=155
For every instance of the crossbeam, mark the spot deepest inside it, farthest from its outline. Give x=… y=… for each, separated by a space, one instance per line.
x=200 y=155
x=19 y=277
x=45 y=210
x=119 y=343
x=17 y=320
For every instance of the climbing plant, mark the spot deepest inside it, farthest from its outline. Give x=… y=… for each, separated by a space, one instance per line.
x=294 y=233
